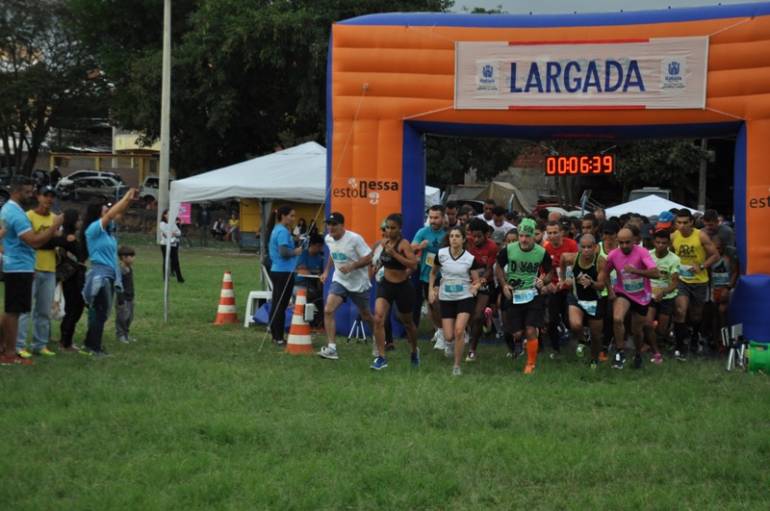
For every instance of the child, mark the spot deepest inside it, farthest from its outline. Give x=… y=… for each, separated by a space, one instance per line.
x=124 y=308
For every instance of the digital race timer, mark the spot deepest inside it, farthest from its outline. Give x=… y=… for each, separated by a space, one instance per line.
x=582 y=164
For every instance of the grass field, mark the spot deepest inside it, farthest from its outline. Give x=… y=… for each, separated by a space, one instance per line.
x=195 y=416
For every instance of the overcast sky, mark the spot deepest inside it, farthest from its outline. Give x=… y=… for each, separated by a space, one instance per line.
x=566 y=6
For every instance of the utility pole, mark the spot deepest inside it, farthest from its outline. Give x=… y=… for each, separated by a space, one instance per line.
x=702 y=175
x=165 y=123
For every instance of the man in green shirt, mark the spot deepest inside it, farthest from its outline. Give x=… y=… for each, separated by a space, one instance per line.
x=524 y=268
x=664 y=291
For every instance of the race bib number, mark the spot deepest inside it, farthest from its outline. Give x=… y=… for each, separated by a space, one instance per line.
x=720 y=279
x=453 y=288
x=632 y=284
x=656 y=290
x=589 y=306
x=429 y=258
x=521 y=296
x=686 y=271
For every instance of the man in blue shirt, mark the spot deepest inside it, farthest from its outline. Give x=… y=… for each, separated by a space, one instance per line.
x=427 y=241
x=19 y=247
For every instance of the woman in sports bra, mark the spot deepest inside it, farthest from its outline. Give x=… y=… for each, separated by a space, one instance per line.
x=398 y=259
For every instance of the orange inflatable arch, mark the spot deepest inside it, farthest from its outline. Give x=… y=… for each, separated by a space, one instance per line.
x=391 y=79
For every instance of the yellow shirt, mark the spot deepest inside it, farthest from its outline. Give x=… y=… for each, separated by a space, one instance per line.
x=692 y=254
x=45 y=260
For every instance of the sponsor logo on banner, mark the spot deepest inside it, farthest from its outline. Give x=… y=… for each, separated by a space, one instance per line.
x=628 y=74
x=487 y=76
x=673 y=72
x=370 y=190
x=759 y=198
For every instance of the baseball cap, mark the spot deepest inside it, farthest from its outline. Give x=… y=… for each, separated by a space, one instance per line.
x=665 y=220
x=527 y=226
x=335 y=218
x=46 y=190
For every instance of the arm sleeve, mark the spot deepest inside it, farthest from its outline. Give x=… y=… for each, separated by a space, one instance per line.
x=284 y=238
x=362 y=248
x=502 y=257
x=20 y=223
x=647 y=261
x=546 y=263
x=418 y=237
x=475 y=265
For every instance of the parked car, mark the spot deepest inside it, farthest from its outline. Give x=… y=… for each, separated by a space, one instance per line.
x=148 y=192
x=89 y=188
x=69 y=179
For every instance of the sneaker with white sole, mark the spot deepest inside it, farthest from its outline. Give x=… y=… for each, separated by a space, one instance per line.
x=379 y=363
x=471 y=356
x=329 y=353
x=449 y=349
x=439 y=340
x=456 y=371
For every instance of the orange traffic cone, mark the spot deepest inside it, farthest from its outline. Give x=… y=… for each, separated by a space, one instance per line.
x=299 y=341
x=226 y=310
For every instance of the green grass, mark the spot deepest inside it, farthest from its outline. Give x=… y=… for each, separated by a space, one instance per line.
x=195 y=416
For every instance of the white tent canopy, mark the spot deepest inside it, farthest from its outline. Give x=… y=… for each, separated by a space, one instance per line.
x=297 y=174
x=646 y=206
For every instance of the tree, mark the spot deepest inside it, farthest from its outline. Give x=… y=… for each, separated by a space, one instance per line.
x=46 y=76
x=449 y=158
x=247 y=75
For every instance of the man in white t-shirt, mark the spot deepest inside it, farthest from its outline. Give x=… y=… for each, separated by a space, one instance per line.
x=500 y=226
x=350 y=255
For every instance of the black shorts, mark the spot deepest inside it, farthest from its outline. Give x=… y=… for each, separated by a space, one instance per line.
x=665 y=306
x=519 y=316
x=636 y=308
x=601 y=306
x=18 y=292
x=402 y=293
x=451 y=308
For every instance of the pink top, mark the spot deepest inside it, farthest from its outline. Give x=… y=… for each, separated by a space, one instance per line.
x=634 y=287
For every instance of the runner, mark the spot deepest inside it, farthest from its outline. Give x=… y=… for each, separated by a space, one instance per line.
x=609 y=243
x=485 y=251
x=452 y=218
x=697 y=254
x=427 y=241
x=397 y=257
x=557 y=245
x=455 y=294
x=634 y=268
x=584 y=301
x=488 y=215
x=350 y=255
x=377 y=272
x=524 y=305
x=499 y=225
x=724 y=274
x=589 y=225
x=663 y=294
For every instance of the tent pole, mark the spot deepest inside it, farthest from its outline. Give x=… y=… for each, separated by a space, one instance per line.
x=262 y=238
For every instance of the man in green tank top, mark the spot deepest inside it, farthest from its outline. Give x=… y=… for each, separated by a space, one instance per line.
x=524 y=268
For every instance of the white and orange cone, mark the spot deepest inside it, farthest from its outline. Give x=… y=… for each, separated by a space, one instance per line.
x=226 y=310
x=299 y=341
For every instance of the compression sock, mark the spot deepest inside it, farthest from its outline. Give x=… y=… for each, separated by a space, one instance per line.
x=532 y=345
x=680 y=334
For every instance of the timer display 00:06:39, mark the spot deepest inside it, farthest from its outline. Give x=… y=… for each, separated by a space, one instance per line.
x=574 y=165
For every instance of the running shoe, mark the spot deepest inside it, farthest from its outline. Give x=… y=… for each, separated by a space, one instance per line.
x=555 y=355
x=619 y=361
x=449 y=349
x=580 y=351
x=45 y=352
x=123 y=339
x=415 y=358
x=72 y=348
x=594 y=364
x=471 y=356
x=439 y=341
x=279 y=342
x=529 y=369
x=680 y=356
x=23 y=353
x=657 y=359
x=456 y=371
x=638 y=361
x=331 y=353
x=603 y=356
x=379 y=364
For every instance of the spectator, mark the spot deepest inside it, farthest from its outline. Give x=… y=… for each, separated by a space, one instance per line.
x=300 y=229
x=283 y=257
x=233 y=228
x=44 y=285
x=124 y=309
x=104 y=276
x=170 y=235
x=71 y=272
x=218 y=230
x=19 y=245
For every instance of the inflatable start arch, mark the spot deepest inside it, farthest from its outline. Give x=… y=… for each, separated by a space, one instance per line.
x=697 y=72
